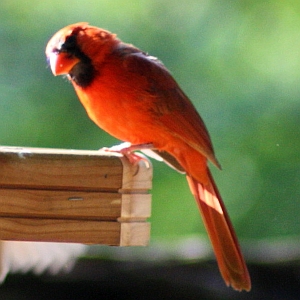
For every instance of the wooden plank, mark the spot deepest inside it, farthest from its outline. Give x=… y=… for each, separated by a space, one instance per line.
x=74 y=205
x=42 y=168
x=59 y=169
x=59 y=204
x=75 y=231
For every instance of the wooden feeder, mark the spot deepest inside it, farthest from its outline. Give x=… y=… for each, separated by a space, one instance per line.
x=74 y=196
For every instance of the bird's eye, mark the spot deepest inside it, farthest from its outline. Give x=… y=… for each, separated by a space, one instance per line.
x=56 y=50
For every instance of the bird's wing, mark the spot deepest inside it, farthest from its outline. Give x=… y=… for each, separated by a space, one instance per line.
x=172 y=108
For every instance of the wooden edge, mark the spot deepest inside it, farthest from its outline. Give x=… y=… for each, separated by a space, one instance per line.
x=23 y=151
x=2 y=257
x=135 y=207
x=136 y=177
x=135 y=234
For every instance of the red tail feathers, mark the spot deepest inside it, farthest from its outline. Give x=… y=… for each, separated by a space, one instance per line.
x=220 y=230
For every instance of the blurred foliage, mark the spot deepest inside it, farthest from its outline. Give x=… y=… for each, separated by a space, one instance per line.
x=239 y=62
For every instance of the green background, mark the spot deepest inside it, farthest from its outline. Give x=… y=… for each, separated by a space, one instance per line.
x=238 y=61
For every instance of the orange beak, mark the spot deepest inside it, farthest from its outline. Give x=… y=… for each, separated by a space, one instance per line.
x=62 y=63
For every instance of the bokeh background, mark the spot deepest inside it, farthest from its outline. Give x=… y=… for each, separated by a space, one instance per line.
x=238 y=61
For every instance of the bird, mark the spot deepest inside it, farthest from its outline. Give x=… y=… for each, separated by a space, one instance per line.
x=132 y=96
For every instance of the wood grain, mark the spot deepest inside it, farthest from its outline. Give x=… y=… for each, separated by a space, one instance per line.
x=73 y=196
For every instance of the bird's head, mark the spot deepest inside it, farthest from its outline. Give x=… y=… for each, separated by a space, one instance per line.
x=77 y=49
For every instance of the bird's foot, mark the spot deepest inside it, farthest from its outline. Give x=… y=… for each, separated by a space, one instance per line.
x=127 y=149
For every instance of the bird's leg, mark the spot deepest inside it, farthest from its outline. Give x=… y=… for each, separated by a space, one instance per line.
x=127 y=149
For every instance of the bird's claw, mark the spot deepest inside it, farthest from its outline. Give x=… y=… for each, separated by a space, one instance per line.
x=126 y=149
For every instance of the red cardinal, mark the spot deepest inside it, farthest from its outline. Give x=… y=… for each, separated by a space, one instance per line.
x=132 y=96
